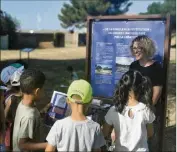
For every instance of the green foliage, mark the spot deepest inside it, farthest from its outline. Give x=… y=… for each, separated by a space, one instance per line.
x=75 y=14
x=169 y=6
x=154 y=8
x=8 y=25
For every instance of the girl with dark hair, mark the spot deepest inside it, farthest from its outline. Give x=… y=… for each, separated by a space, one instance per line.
x=131 y=113
x=143 y=49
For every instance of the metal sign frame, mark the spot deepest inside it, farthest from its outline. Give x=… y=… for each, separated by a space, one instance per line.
x=166 y=60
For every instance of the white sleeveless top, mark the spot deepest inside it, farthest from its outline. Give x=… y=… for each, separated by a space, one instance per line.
x=131 y=133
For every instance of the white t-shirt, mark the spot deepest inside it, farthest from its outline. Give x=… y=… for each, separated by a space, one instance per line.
x=69 y=135
x=131 y=133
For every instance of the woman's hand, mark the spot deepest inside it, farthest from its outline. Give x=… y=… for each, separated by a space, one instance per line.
x=107 y=129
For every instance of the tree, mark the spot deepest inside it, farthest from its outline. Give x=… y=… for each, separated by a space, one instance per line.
x=169 y=6
x=8 y=25
x=3 y=29
x=154 y=8
x=75 y=14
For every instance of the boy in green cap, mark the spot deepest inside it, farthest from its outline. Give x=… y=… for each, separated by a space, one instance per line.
x=76 y=132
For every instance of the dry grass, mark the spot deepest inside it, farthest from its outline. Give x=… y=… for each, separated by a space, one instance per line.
x=53 y=63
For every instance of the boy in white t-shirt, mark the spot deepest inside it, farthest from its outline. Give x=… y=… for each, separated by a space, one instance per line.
x=76 y=132
x=131 y=116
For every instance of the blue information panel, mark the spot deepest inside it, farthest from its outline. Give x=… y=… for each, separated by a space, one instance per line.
x=110 y=50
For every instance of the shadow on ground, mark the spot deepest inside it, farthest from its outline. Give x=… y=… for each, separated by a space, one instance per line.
x=56 y=74
x=55 y=71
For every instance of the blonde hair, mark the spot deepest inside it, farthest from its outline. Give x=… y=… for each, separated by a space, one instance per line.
x=81 y=107
x=146 y=44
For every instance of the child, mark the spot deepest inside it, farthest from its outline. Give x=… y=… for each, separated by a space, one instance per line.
x=7 y=72
x=12 y=99
x=74 y=75
x=76 y=132
x=14 y=92
x=143 y=49
x=131 y=113
x=10 y=77
x=20 y=63
x=27 y=126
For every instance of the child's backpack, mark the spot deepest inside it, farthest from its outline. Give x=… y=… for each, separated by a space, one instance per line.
x=15 y=100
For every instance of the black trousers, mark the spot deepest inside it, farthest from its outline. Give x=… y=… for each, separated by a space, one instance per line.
x=154 y=141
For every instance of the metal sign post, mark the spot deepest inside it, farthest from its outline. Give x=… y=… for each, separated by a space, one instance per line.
x=108 y=41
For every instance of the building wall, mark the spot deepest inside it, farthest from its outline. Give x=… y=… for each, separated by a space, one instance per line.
x=27 y=40
x=71 y=39
x=32 y=40
x=4 y=42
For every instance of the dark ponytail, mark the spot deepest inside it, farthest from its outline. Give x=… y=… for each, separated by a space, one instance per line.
x=140 y=85
x=145 y=95
x=121 y=94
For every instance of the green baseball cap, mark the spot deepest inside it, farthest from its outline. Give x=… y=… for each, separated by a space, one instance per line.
x=81 y=88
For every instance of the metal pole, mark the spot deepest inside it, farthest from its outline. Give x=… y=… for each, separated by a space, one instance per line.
x=20 y=54
x=0 y=60
x=28 y=57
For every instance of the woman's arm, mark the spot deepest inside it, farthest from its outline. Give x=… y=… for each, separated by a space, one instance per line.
x=157 y=90
x=150 y=130
x=107 y=130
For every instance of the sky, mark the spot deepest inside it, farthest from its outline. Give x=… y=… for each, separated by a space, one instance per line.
x=42 y=14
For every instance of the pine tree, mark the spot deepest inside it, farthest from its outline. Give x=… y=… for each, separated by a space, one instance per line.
x=168 y=6
x=75 y=14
